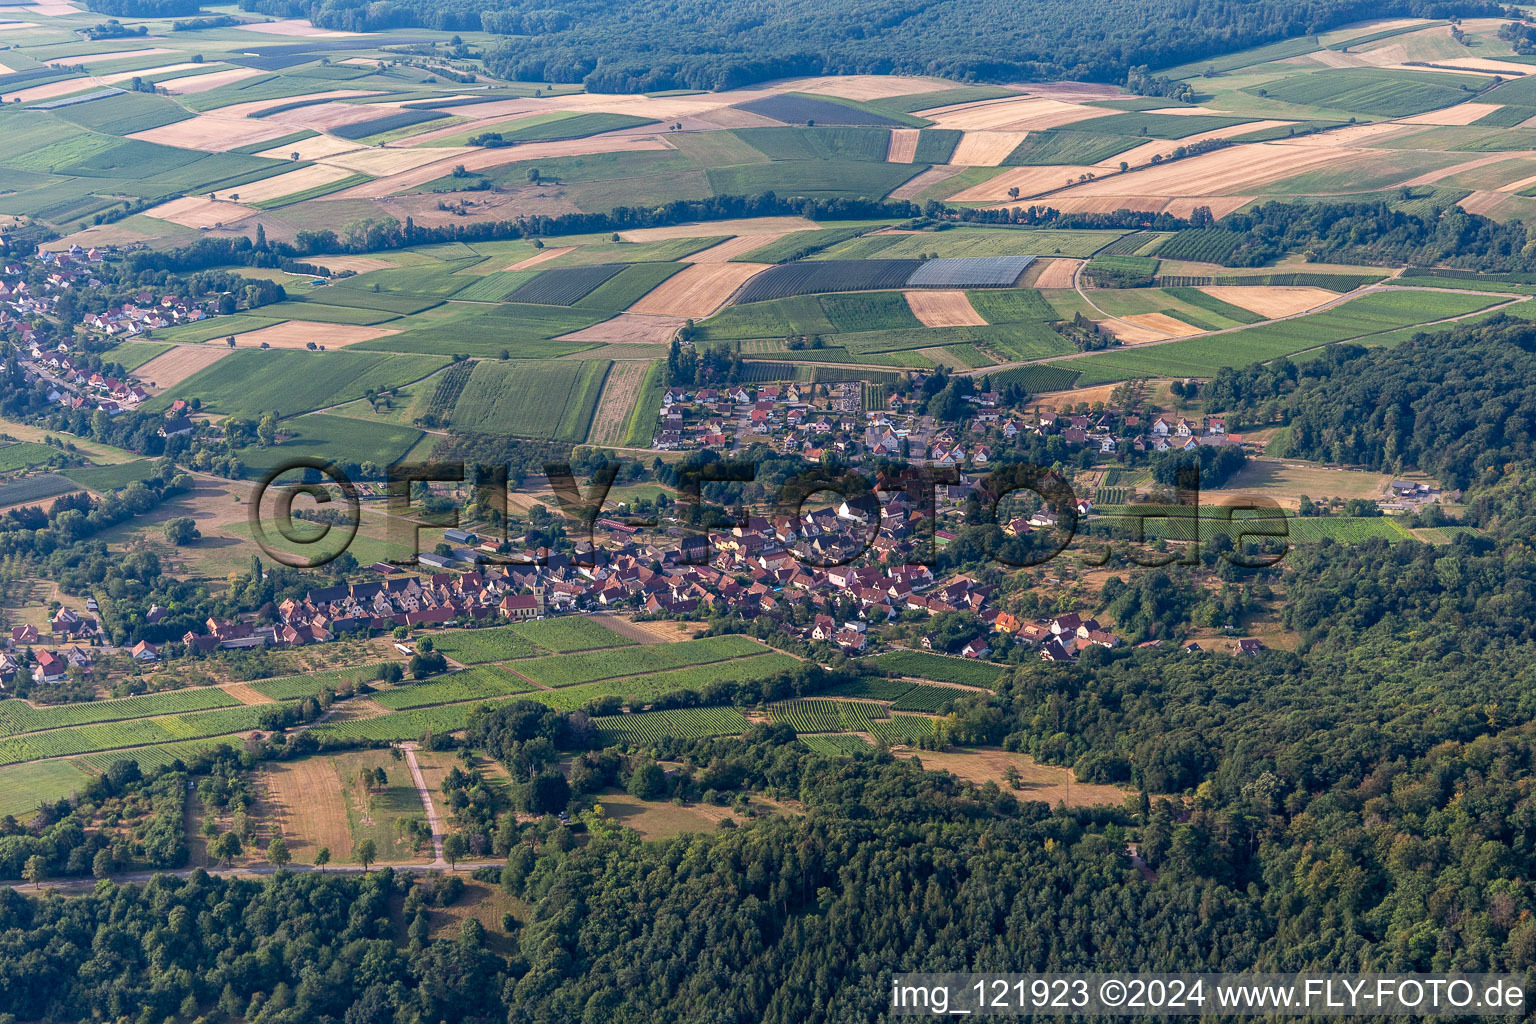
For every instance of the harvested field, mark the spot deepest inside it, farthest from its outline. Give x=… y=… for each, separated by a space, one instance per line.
x=1132 y=333
x=1040 y=783
x=1109 y=204
x=1461 y=113
x=214 y=133
x=303 y=800
x=1219 y=206
x=1165 y=325
x=486 y=158
x=286 y=184
x=203 y=83
x=913 y=187
x=181 y=362
x=902 y=148
x=257 y=106
x=1230 y=170
x=1483 y=203
x=97 y=58
x=985 y=149
x=356 y=264
x=717 y=228
x=1352 y=135
x=245 y=693
x=128 y=76
x=1143 y=154
x=197 y=212
x=698 y=290
x=1430 y=177
x=1030 y=181
x=47 y=92
x=1271 y=302
x=293 y=27
x=621 y=392
x=943 y=309
x=298 y=333
x=310 y=149
x=864 y=87
x=1021 y=112
x=729 y=249
x=323 y=117
x=543 y=256
x=629 y=329
x=1055 y=273
x=381 y=162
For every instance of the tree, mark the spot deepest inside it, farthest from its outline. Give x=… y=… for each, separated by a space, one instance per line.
x=277 y=853
x=226 y=848
x=101 y=864
x=181 y=531
x=266 y=430
x=365 y=853
x=647 y=781
x=533 y=175
x=454 y=848
x=323 y=857
x=36 y=870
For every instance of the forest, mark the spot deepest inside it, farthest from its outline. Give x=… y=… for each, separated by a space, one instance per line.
x=708 y=44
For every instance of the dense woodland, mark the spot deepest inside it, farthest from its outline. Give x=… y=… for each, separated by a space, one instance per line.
x=710 y=44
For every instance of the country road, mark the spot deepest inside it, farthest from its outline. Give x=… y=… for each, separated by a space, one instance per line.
x=433 y=820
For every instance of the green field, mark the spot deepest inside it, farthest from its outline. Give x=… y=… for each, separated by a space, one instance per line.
x=343 y=439
x=868 y=311
x=570 y=633
x=812 y=178
x=522 y=331
x=548 y=398
x=250 y=382
x=311 y=684
x=1375 y=91
x=1374 y=313
x=25 y=454
x=24 y=786
x=113 y=478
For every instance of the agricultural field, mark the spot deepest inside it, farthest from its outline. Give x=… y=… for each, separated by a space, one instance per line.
x=646 y=727
x=571 y=669
x=922 y=665
x=480 y=683
x=547 y=398
x=250 y=382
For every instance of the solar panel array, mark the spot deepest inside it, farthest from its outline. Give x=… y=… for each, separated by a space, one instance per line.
x=970 y=272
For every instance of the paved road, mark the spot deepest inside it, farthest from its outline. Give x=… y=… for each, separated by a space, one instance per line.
x=433 y=820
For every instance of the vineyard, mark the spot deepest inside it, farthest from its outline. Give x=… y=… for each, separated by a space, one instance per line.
x=647 y=727
x=402 y=725
x=131 y=733
x=835 y=745
x=928 y=698
x=807 y=715
x=17 y=716
x=1128 y=244
x=644 y=688
x=571 y=669
x=870 y=688
x=150 y=758
x=479 y=683
x=922 y=665
x=449 y=387
x=1036 y=379
x=296 y=687
x=568 y=634
x=474 y=646
x=563 y=286
x=1202 y=245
